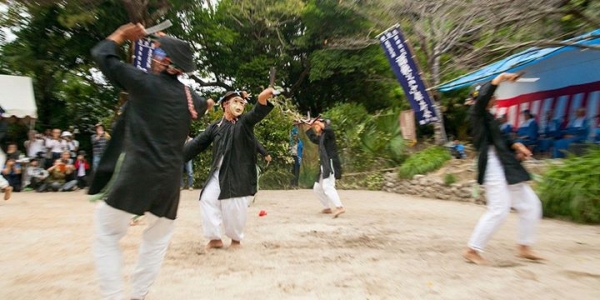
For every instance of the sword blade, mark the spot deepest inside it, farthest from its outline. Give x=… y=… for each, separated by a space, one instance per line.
x=159 y=27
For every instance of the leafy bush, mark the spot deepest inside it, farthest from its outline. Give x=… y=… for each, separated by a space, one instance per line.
x=572 y=190
x=367 y=142
x=449 y=179
x=423 y=162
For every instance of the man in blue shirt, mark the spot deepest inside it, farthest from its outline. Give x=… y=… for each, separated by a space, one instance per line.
x=296 y=148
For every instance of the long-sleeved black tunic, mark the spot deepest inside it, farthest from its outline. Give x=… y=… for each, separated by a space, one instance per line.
x=236 y=144
x=328 y=156
x=155 y=125
x=486 y=132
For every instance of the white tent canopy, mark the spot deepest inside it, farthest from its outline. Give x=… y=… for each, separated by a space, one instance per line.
x=16 y=97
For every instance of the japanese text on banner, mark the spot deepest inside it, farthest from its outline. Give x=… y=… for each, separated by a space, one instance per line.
x=404 y=66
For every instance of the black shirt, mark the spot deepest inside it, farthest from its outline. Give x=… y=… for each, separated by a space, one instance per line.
x=236 y=144
x=155 y=125
x=486 y=132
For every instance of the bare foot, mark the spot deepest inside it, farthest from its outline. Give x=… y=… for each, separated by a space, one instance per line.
x=7 y=192
x=338 y=212
x=526 y=253
x=473 y=256
x=216 y=244
x=137 y=220
x=326 y=211
x=235 y=245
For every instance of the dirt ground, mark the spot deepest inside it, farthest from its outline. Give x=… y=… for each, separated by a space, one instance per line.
x=386 y=246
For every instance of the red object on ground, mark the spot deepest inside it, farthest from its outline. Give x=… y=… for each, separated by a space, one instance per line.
x=262 y=213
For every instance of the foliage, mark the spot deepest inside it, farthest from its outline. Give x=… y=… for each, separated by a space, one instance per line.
x=367 y=142
x=325 y=52
x=423 y=162
x=571 y=190
x=449 y=179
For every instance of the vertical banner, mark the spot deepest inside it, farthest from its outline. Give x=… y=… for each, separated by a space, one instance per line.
x=404 y=66
x=407 y=125
x=142 y=55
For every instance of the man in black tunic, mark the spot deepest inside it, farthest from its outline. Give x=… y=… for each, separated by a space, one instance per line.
x=155 y=125
x=330 y=167
x=232 y=176
x=503 y=176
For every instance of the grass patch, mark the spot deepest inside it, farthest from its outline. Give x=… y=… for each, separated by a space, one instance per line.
x=572 y=190
x=424 y=162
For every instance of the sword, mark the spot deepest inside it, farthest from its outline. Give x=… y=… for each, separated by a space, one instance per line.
x=158 y=27
x=272 y=81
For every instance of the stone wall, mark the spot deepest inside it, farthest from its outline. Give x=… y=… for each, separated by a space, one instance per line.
x=432 y=186
x=428 y=187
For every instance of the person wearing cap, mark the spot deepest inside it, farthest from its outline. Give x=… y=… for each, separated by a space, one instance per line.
x=71 y=144
x=144 y=158
x=505 y=179
x=232 y=177
x=330 y=167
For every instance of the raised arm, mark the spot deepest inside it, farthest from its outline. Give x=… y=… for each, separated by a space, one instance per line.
x=105 y=55
x=262 y=108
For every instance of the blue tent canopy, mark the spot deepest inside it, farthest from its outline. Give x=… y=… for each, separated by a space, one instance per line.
x=519 y=61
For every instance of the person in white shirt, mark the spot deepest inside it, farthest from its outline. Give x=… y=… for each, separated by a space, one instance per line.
x=71 y=144
x=34 y=146
x=56 y=146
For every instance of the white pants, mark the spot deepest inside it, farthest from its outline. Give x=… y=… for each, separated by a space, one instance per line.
x=326 y=192
x=111 y=225
x=232 y=212
x=500 y=195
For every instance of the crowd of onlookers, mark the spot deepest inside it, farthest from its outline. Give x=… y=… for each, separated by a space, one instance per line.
x=52 y=161
x=556 y=135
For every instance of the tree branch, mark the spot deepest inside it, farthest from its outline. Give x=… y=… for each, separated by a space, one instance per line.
x=211 y=83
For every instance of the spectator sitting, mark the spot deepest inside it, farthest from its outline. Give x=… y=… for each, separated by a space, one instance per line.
x=551 y=132
x=505 y=126
x=12 y=151
x=82 y=166
x=576 y=132
x=12 y=174
x=458 y=150
x=527 y=133
x=61 y=175
x=37 y=175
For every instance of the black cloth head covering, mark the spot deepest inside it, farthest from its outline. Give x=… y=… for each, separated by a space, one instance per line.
x=228 y=95
x=179 y=52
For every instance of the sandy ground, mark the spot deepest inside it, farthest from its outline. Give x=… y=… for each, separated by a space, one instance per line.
x=387 y=246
